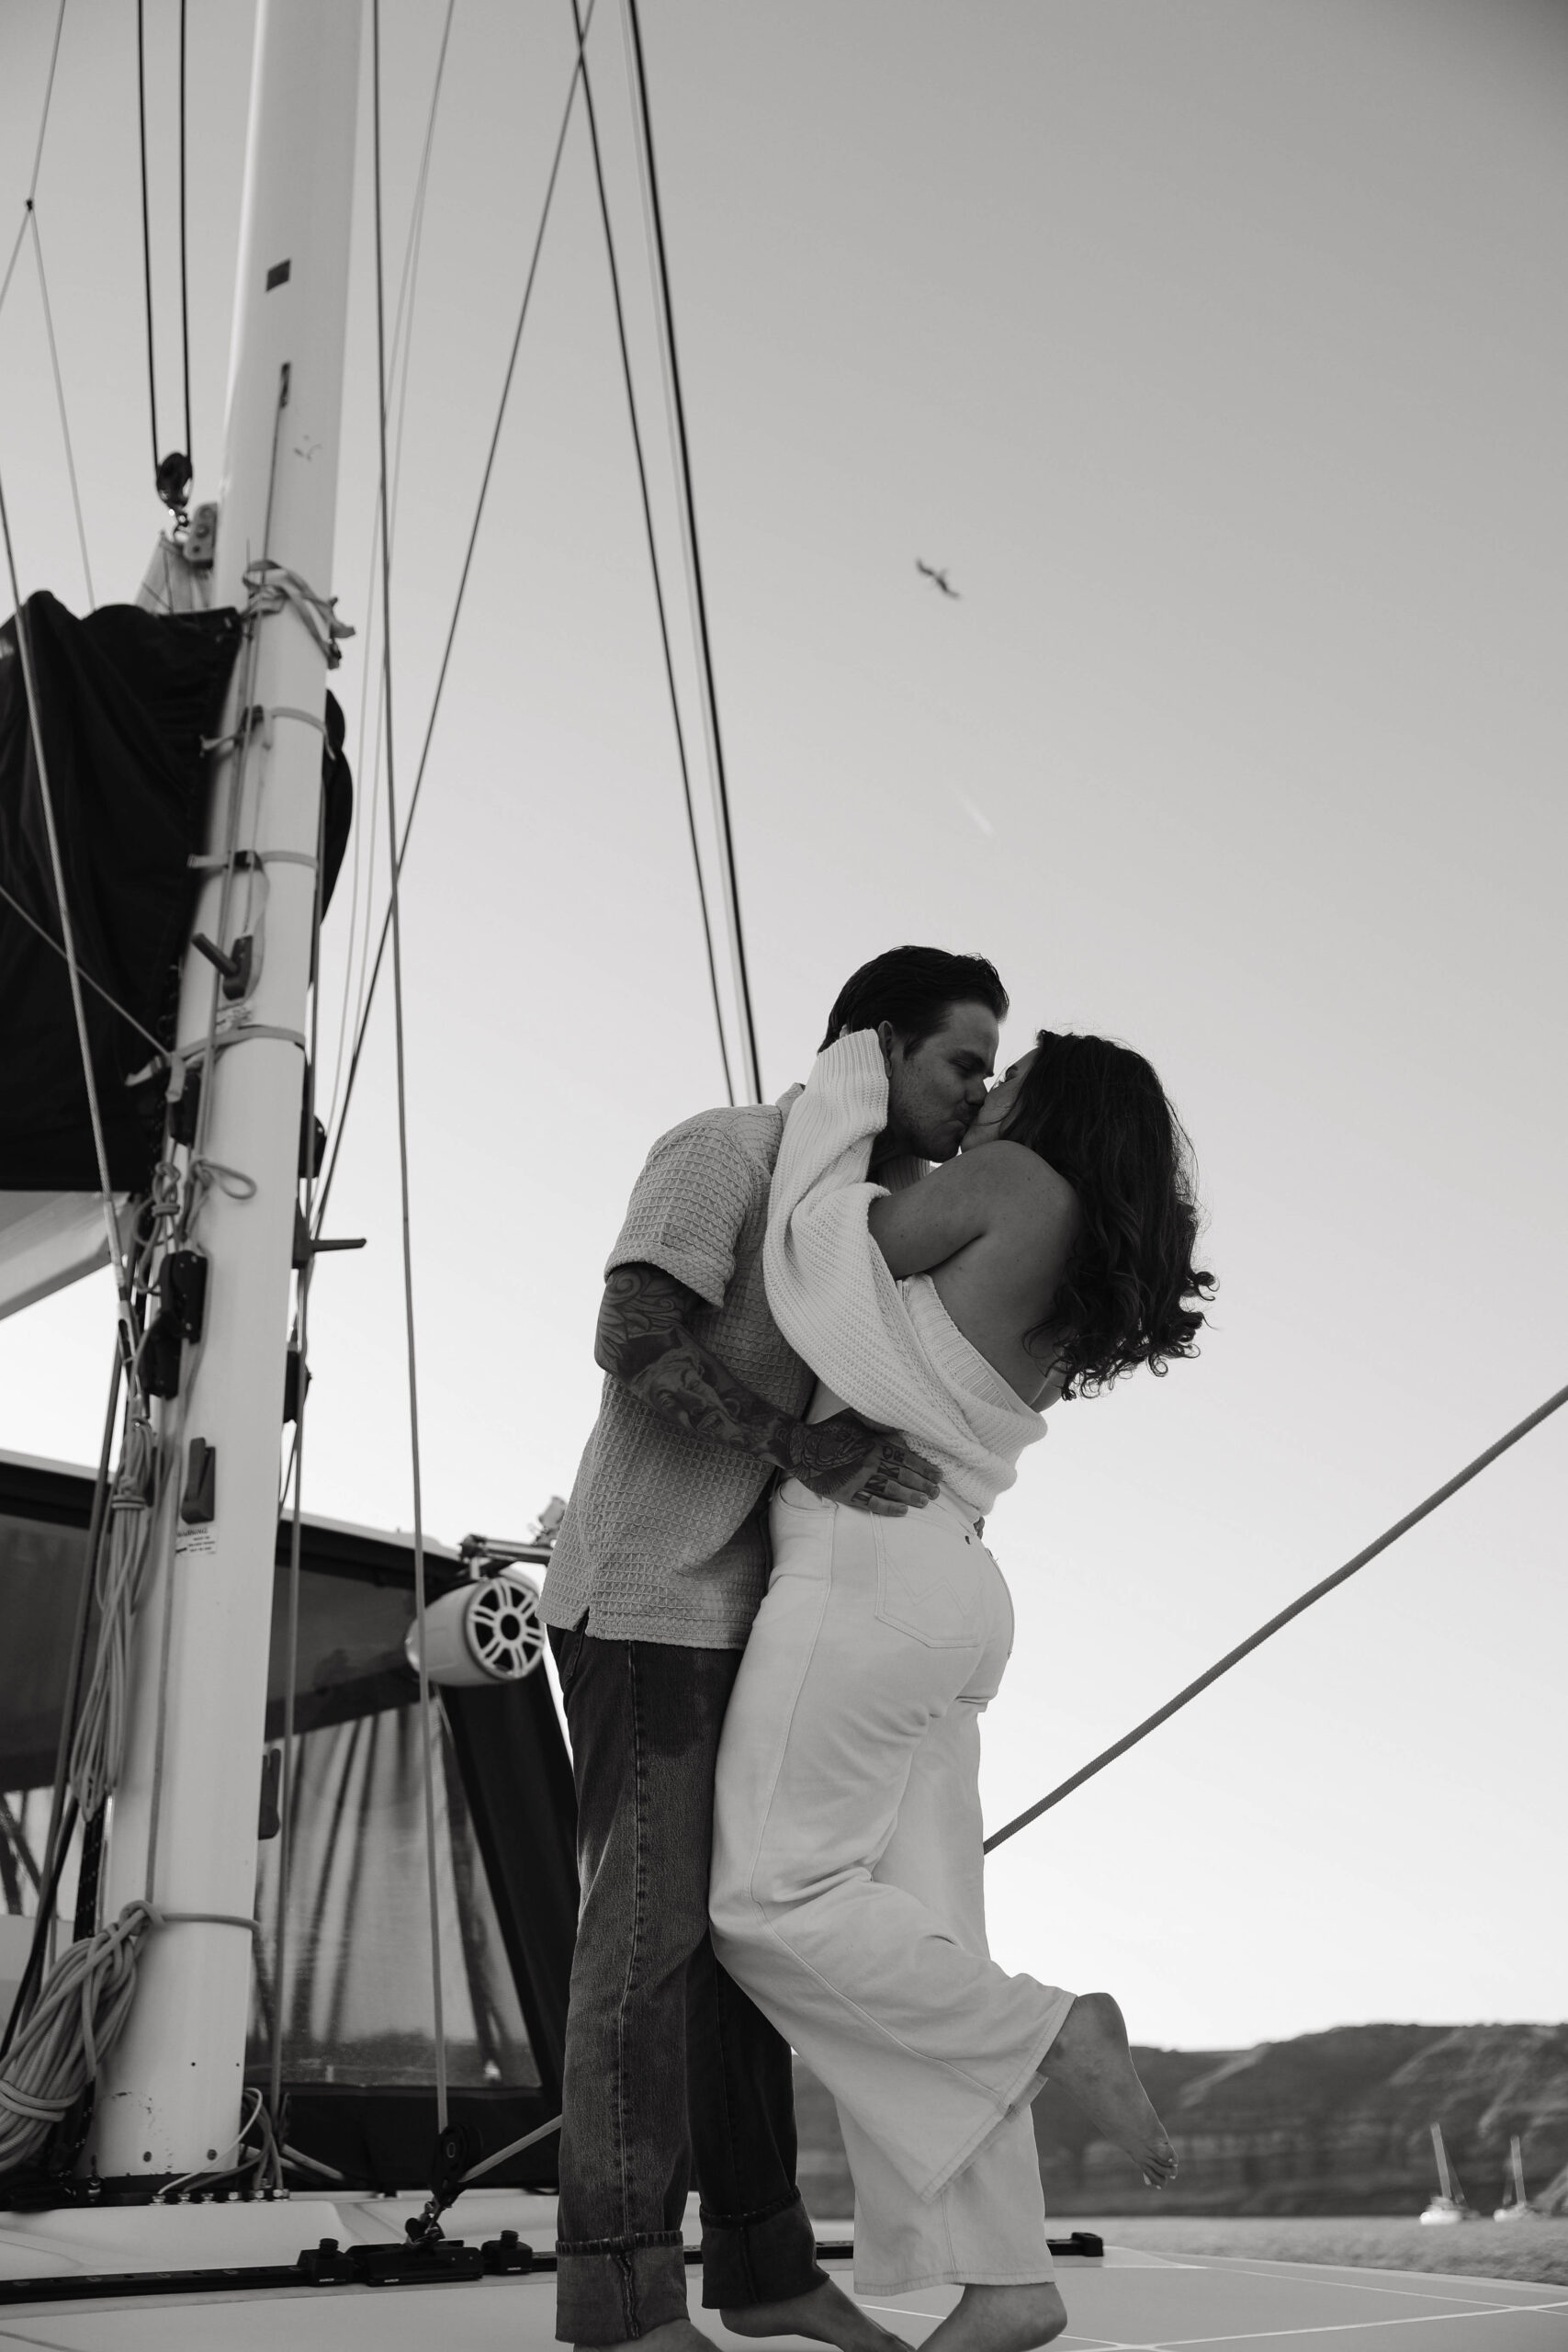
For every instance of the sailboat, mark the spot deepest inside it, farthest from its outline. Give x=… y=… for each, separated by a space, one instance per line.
x=1447 y=2203
x=249 y=2026
x=1516 y=2207
x=319 y=1750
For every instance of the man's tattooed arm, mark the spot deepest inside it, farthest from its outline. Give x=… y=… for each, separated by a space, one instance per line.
x=645 y=1339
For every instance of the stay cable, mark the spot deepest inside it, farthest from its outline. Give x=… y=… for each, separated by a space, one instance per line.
x=653 y=553
x=1254 y=1640
x=363 y=1023
x=694 y=553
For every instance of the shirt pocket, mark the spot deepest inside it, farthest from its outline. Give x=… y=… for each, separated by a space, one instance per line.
x=929 y=1581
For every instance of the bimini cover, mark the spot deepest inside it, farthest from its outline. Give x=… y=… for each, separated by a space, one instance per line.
x=125 y=698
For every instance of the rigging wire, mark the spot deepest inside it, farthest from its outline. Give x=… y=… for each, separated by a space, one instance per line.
x=694 y=555
x=146 y=231
x=59 y=402
x=184 y=292
x=62 y=1803
x=1234 y=1657
x=395 y=911
x=652 y=550
x=363 y=1023
x=172 y=472
x=30 y=222
x=365 y=853
x=96 y=986
x=78 y=1005
x=28 y=200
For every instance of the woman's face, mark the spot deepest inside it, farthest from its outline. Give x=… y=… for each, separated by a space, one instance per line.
x=998 y=1107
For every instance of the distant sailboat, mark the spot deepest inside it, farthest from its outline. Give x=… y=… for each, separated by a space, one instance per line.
x=1448 y=2204
x=1518 y=2207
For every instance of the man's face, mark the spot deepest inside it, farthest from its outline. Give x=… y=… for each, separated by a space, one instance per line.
x=1000 y=1103
x=934 y=1089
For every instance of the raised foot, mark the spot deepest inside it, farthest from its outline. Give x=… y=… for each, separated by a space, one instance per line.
x=1000 y=2319
x=673 y=2336
x=1090 y=2057
x=824 y=2315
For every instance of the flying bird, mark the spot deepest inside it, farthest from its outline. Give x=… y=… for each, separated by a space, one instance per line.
x=940 y=579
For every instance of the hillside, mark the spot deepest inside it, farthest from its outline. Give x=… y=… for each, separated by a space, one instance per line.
x=1336 y=2122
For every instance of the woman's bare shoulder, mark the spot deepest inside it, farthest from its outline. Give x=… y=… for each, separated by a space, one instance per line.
x=998 y=1189
x=1026 y=1191
x=1011 y=1169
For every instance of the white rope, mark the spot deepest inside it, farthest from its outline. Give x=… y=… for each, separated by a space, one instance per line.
x=267 y=712
x=198 y=864
x=78 y=2018
x=98 y=1749
x=513 y=2148
x=263 y=2162
x=273 y=585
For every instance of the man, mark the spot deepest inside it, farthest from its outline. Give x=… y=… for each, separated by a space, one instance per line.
x=658 y=1572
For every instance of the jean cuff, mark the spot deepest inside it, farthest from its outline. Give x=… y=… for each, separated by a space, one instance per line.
x=766 y=2257
x=617 y=2289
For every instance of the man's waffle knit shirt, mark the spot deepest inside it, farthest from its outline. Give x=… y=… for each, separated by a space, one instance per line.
x=665 y=1538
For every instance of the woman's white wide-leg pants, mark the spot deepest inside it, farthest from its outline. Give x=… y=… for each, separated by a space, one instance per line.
x=847 y=1893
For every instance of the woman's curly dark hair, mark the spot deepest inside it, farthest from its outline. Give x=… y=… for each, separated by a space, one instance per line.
x=1098 y=1112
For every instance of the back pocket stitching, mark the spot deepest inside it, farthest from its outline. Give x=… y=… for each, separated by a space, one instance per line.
x=887 y=1613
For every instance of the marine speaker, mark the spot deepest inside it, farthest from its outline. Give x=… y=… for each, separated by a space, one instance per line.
x=490 y=1631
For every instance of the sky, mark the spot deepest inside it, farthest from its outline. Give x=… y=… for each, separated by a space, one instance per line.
x=1218 y=350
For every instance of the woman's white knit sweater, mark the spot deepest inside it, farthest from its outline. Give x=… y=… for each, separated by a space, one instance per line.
x=887 y=1348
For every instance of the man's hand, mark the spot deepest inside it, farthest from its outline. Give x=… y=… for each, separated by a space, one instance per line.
x=846 y=1460
x=644 y=1339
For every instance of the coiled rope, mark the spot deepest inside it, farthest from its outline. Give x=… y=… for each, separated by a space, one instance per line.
x=79 y=2016
x=98 y=1749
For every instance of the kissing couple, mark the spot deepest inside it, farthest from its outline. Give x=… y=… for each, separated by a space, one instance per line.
x=830 y=1326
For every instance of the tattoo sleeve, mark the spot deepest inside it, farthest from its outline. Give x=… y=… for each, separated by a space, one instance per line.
x=644 y=1339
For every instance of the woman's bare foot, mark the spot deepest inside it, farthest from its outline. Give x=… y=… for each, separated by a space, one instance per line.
x=1090 y=2057
x=824 y=2315
x=1000 y=2319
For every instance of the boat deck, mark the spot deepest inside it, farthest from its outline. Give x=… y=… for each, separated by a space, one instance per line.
x=1132 y=2300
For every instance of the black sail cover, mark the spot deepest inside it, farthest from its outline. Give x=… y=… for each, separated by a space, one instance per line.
x=125 y=697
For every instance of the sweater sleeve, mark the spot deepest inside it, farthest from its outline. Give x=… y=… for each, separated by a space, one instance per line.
x=828 y=1286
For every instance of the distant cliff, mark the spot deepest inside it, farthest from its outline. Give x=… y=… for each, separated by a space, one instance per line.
x=1336 y=2122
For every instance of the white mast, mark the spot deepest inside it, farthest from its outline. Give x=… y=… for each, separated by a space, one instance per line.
x=170 y=2098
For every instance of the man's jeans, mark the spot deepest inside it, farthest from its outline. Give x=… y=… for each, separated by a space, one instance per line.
x=668 y=2064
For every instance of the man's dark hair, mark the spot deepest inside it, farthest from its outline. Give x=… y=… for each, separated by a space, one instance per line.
x=914 y=988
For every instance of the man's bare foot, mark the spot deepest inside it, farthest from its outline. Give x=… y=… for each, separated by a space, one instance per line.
x=824 y=2315
x=673 y=2336
x=1000 y=2319
x=1090 y=2057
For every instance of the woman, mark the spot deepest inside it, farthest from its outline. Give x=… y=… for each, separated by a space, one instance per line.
x=1055 y=1254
